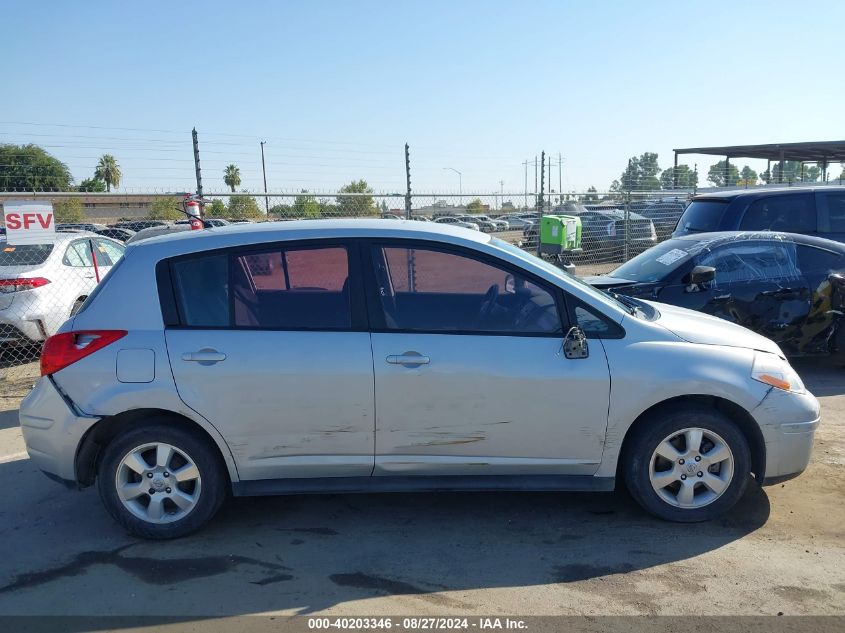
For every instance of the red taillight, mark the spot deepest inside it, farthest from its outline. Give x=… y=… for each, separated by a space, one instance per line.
x=22 y=283
x=65 y=349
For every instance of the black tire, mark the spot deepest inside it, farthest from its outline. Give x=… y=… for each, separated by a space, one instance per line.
x=642 y=444
x=205 y=456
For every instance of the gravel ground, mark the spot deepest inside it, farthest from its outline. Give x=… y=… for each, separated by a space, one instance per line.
x=781 y=550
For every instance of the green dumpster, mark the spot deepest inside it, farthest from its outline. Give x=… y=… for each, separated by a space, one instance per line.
x=560 y=234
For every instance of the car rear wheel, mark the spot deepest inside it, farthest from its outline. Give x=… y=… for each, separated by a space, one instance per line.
x=687 y=464
x=161 y=482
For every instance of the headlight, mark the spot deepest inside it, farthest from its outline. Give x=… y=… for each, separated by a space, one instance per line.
x=773 y=370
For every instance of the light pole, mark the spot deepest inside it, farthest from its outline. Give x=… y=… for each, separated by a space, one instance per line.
x=460 y=182
x=264 y=172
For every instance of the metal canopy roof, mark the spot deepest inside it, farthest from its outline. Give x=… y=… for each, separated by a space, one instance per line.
x=829 y=151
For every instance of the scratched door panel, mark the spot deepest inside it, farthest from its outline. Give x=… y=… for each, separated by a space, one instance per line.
x=289 y=404
x=488 y=405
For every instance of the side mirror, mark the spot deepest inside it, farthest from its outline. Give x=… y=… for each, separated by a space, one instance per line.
x=510 y=284
x=575 y=344
x=701 y=275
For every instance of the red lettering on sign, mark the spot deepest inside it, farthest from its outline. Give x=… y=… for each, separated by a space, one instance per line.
x=45 y=222
x=28 y=219
x=13 y=221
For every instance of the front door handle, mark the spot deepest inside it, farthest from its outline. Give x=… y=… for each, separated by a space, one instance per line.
x=409 y=359
x=204 y=356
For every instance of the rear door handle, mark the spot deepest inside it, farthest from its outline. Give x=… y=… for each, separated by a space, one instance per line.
x=410 y=359
x=204 y=356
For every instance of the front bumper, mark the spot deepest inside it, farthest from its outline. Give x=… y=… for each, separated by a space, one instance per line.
x=788 y=422
x=52 y=430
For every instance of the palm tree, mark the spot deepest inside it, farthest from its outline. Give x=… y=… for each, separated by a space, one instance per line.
x=232 y=176
x=108 y=171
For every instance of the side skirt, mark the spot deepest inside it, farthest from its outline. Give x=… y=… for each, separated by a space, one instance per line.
x=335 y=485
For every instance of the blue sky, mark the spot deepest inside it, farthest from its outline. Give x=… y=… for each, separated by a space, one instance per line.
x=337 y=88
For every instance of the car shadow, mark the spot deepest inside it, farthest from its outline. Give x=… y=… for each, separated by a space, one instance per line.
x=308 y=553
x=822 y=376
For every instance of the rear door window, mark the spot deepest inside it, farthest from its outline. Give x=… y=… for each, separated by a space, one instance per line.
x=297 y=288
x=78 y=254
x=831 y=211
x=702 y=216
x=791 y=214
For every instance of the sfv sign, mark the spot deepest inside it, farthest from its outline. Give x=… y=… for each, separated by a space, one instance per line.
x=29 y=222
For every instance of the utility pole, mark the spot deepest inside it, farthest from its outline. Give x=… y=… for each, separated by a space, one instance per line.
x=559 y=175
x=408 y=182
x=502 y=192
x=525 y=191
x=550 y=184
x=540 y=197
x=264 y=171
x=535 y=175
x=198 y=170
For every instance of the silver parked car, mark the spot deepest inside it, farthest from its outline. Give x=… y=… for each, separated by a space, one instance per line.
x=448 y=219
x=380 y=355
x=41 y=285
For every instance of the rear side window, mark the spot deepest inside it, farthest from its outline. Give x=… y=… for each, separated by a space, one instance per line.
x=25 y=254
x=280 y=288
x=78 y=254
x=792 y=214
x=832 y=212
x=306 y=288
x=818 y=261
x=703 y=216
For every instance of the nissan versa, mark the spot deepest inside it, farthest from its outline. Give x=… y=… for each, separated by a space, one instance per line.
x=374 y=355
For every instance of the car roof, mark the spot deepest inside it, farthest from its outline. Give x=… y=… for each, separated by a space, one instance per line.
x=721 y=237
x=758 y=193
x=238 y=234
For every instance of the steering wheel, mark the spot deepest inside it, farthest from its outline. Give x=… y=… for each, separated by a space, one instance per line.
x=488 y=303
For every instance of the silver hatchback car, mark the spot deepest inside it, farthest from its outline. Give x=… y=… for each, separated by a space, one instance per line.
x=376 y=355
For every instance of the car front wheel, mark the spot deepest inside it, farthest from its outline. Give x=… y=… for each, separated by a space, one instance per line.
x=687 y=464
x=161 y=481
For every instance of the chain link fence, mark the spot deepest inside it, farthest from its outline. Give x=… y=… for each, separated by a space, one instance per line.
x=42 y=285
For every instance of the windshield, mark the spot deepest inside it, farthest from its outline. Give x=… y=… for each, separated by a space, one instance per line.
x=702 y=216
x=25 y=254
x=656 y=262
x=560 y=274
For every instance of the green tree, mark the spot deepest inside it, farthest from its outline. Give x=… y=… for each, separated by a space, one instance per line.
x=591 y=196
x=282 y=211
x=305 y=206
x=31 y=168
x=686 y=178
x=641 y=173
x=232 y=176
x=359 y=204
x=723 y=175
x=166 y=208
x=108 y=171
x=747 y=177
x=475 y=206
x=244 y=208
x=68 y=210
x=92 y=184
x=217 y=209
